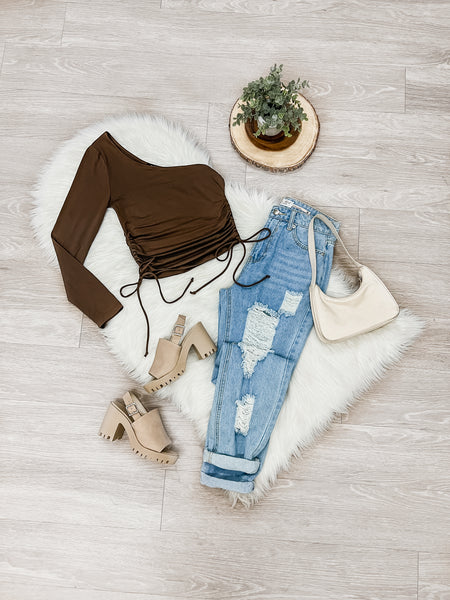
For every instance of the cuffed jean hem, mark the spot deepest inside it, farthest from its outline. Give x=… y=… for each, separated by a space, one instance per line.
x=227 y=484
x=232 y=463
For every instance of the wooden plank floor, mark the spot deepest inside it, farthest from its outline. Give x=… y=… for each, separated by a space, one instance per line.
x=365 y=513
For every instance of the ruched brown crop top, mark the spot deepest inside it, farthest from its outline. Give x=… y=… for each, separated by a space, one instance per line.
x=174 y=218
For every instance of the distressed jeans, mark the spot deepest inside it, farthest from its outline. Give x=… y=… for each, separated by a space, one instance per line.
x=261 y=334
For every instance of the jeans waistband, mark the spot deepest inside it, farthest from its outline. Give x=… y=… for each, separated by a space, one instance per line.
x=300 y=213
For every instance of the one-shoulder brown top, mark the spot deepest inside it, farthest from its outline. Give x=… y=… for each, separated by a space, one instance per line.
x=174 y=218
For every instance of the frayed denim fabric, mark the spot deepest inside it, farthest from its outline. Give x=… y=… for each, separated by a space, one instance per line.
x=261 y=334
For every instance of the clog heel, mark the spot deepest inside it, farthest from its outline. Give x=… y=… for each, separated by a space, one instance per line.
x=145 y=430
x=171 y=355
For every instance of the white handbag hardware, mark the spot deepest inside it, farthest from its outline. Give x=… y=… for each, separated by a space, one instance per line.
x=336 y=319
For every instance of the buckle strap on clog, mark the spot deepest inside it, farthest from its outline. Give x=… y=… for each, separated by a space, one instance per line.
x=178 y=330
x=133 y=406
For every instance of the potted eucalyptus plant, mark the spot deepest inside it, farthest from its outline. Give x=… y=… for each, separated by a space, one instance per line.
x=271 y=106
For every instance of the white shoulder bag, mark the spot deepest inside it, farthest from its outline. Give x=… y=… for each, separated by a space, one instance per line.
x=337 y=319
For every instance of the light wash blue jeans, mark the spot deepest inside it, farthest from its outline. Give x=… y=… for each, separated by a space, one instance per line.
x=262 y=332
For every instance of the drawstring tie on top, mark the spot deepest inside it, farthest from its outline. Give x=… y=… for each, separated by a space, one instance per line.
x=229 y=257
x=147 y=269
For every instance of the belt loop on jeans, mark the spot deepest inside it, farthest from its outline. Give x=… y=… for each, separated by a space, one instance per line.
x=291 y=223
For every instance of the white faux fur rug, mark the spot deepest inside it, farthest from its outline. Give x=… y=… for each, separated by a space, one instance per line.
x=327 y=378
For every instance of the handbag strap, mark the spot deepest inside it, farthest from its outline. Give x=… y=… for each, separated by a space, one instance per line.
x=312 y=245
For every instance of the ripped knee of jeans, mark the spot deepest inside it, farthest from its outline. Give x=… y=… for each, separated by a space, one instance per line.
x=258 y=336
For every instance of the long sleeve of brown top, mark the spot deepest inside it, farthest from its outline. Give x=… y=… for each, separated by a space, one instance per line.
x=73 y=233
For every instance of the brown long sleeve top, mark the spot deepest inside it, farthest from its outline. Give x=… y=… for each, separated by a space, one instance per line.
x=174 y=219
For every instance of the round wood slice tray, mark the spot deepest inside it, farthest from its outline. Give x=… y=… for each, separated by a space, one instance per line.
x=281 y=159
